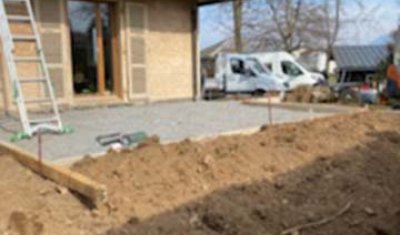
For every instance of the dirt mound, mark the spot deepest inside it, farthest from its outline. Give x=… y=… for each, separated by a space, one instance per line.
x=261 y=184
x=265 y=183
x=309 y=94
x=31 y=205
x=21 y=224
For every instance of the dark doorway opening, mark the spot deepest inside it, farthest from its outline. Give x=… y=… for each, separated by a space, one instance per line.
x=92 y=46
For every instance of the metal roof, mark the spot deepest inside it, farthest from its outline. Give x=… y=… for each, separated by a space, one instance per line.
x=360 y=58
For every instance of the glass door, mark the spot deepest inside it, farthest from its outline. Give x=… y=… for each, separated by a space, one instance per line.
x=91 y=47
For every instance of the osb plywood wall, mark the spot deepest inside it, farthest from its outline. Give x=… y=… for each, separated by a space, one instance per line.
x=159 y=42
x=51 y=18
x=137 y=40
x=156 y=49
x=23 y=49
x=170 y=51
x=51 y=22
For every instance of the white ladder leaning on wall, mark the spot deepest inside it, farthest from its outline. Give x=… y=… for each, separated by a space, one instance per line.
x=52 y=122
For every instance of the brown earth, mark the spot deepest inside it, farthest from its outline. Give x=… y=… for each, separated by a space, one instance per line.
x=31 y=205
x=309 y=94
x=263 y=183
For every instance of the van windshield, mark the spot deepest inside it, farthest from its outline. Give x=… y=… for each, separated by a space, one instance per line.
x=256 y=66
x=291 y=69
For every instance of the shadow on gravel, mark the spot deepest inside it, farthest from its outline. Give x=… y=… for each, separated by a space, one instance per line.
x=367 y=176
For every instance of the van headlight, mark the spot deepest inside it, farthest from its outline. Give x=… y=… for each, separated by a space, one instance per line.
x=319 y=77
x=316 y=77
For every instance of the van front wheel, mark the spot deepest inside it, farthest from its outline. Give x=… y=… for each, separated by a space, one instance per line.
x=207 y=95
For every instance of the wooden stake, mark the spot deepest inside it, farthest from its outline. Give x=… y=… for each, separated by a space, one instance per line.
x=39 y=135
x=269 y=108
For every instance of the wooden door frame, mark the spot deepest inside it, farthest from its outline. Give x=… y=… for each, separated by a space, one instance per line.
x=116 y=48
x=115 y=42
x=101 y=71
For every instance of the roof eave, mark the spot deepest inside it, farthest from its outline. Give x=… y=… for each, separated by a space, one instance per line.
x=209 y=2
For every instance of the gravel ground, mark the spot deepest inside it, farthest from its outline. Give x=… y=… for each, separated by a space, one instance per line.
x=170 y=121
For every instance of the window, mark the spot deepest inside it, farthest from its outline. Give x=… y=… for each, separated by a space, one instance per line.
x=91 y=46
x=255 y=66
x=238 y=66
x=291 y=69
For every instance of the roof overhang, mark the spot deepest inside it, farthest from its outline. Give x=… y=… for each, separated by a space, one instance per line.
x=208 y=2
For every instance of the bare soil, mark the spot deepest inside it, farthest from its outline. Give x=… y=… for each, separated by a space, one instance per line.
x=309 y=94
x=265 y=183
x=31 y=205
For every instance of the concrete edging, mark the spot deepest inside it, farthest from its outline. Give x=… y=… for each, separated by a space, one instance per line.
x=71 y=160
x=249 y=131
x=323 y=108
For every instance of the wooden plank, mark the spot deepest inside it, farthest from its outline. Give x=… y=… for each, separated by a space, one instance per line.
x=76 y=182
x=116 y=52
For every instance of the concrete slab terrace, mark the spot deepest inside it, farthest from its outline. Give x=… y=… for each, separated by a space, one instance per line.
x=170 y=121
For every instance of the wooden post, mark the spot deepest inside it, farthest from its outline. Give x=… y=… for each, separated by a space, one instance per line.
x=237 y=18
x=197 y=84
x=101 y=79
x=39 y=136
x=269 y=108
x=116 y=50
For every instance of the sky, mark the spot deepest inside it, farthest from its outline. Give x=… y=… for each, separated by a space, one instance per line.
x=385 y=14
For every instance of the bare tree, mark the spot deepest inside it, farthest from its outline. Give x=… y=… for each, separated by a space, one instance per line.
x=232 y=23
x=279 y=24
x=286 y=17
x=291 y=25
x=331 y=24
x=237 y=19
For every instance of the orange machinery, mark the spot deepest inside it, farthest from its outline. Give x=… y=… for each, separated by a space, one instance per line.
x=394 y=74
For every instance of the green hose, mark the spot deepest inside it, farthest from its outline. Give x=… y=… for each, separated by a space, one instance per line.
x=67 y=130
x=21 y=135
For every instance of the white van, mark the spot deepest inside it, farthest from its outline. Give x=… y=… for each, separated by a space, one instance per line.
x=288 y=70
x=234 y=73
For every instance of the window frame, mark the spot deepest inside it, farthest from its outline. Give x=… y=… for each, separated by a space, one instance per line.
x=241 y=63
x=301 y=72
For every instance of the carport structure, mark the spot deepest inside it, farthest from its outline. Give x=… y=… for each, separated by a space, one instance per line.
x=113 y=51
x=357 y=64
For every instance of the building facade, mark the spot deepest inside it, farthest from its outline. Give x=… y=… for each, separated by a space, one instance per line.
x=111 y=51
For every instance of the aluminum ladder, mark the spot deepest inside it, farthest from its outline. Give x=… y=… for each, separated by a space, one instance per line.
x=31 y=126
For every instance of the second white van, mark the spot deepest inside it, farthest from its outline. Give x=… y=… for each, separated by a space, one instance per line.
x=284 y=67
